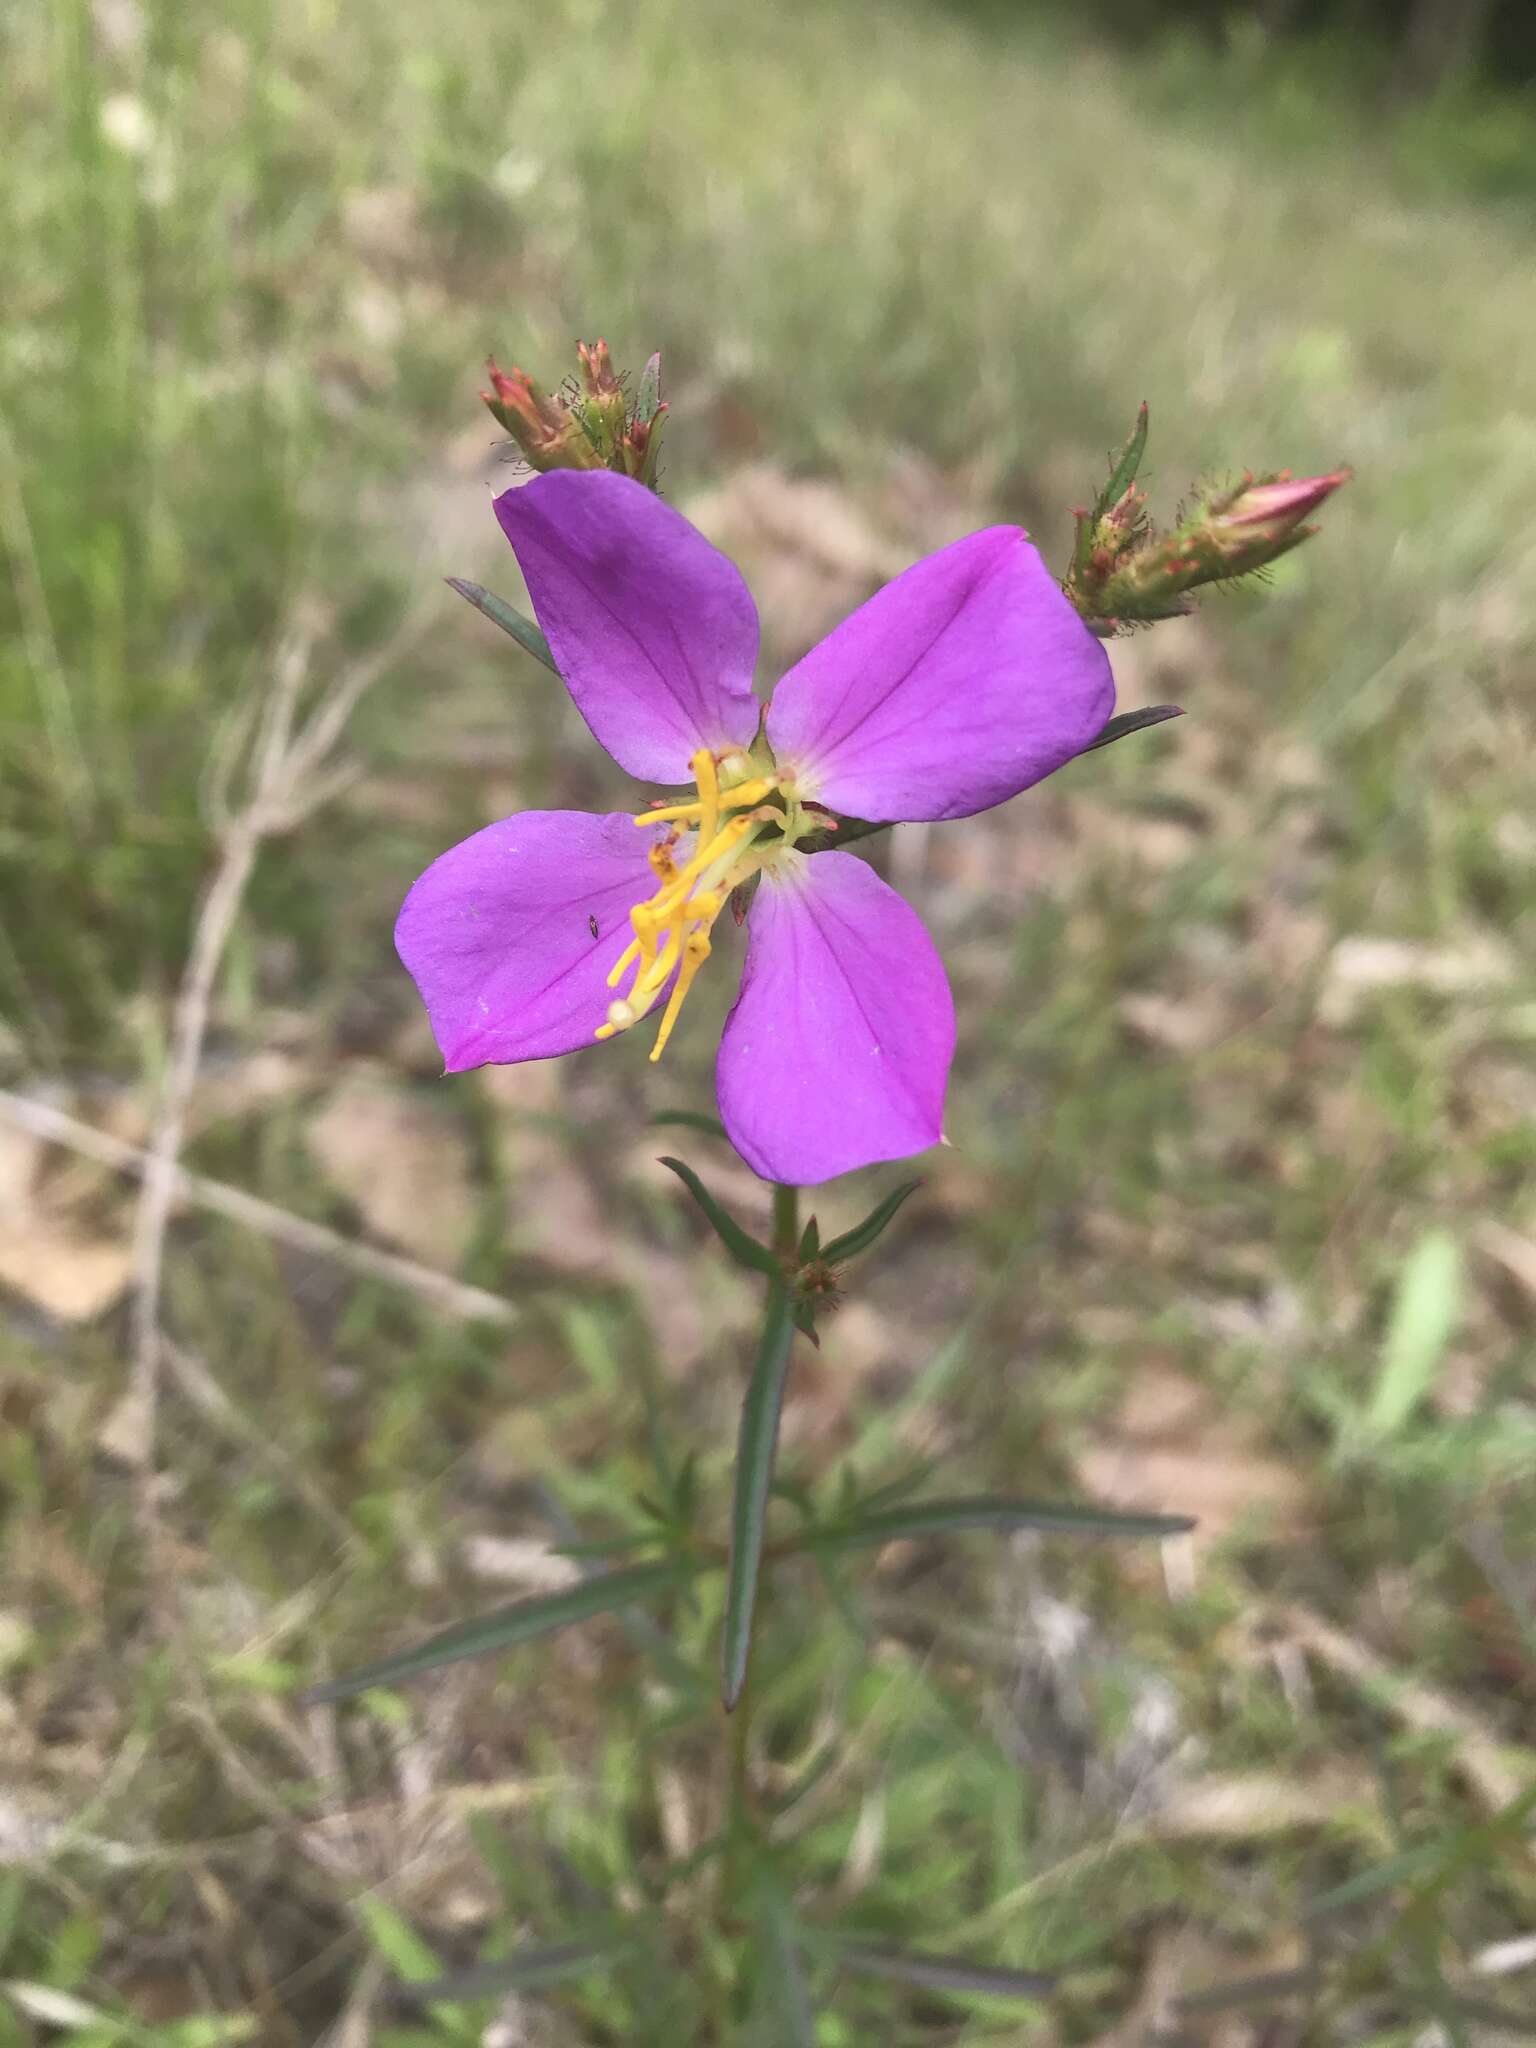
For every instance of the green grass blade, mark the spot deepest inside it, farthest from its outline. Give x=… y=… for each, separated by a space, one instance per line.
x=741 y=1244
x=942 y=1973
x=1425 y=1313
x=864 y=1234
x=507 y=616
x=506 y=1627
x=984 y=1511
x=756 y=1449
x=528 y=1968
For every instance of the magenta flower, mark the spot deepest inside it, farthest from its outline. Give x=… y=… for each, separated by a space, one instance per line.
x=962 y=682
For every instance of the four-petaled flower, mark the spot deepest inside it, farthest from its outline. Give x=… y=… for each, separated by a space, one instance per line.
x=962 y=682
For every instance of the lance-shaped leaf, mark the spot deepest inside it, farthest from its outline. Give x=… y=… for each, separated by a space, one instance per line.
x=1134 y=721
x=756 y=1450
x=1125 y=466
x=506 y=1627
x=864 y=1234
x=692 y=1120
x=507 y=616
x=872 y=1527
x=942 y=1973
x=528 y=1968
x=742 y=1246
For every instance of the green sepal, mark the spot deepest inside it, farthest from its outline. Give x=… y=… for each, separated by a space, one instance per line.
x=1124 y=466
x=802 y=1311
x=506 y=1627
x=864 y=1234
x=742 y=1246
x=507 y=616
x=648 y=397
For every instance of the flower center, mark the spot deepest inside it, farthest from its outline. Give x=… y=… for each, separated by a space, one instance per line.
x=730 y=820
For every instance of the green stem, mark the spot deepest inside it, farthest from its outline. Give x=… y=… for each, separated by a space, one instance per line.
x=786 y=1221
x=740 y=1798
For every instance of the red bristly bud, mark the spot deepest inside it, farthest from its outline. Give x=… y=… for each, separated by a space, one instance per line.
x=543 y=428
x=589 y=424
x=1124 y=574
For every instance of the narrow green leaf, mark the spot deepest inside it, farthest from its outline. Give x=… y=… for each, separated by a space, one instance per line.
x=692 y=1120
x=609 y=1546
x=1126 y=465
x=1381 y=1877
x=741 y=1245
x=396 y=1940
x=1134 y=721
x=506 y=1627
x=756 y=1449
x=810 y=1242
x=893 y=1489
x=529 y=1967
x=1425 y=1313
x=864 y=1234
x=983 y=1511
x=507 y=616
x=942 y=1973
x=783 y=1974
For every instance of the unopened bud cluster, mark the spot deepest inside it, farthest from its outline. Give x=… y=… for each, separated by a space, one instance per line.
x=590 y=423
x=1125 y=573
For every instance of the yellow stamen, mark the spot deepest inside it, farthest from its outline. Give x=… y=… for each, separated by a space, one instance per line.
x=671 y=928
x=703 y=815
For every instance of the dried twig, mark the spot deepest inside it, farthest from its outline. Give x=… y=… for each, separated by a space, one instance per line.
x=439 y=1290
x=1496 y=1772
x=289 y=776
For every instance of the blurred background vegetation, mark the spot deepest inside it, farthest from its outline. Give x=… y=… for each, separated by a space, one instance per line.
x=1238 y=1217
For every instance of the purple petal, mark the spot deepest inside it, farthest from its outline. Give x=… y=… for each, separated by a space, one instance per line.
x=652 y=628
x=962 y=682
x=838 y=1049
x=498 y=933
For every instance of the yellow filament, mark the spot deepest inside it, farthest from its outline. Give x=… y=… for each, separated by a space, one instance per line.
x=695 y=953
x=703 y=814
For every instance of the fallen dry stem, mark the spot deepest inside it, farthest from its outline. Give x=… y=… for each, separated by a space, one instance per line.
x=439 y=1290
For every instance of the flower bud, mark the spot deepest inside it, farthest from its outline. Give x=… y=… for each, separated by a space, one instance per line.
x=1277 y=506
x=601 y=403
x=589 y=424
x=545 y=429
x=1124 y=573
